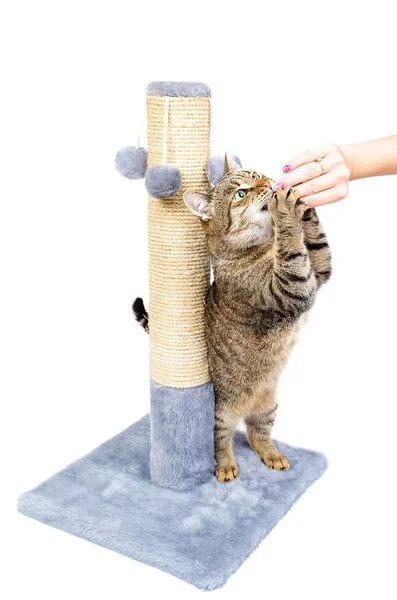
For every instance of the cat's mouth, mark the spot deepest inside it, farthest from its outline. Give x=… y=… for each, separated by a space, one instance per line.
x=264 y=202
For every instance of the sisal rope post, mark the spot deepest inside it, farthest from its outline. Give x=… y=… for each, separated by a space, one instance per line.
x=179 y=268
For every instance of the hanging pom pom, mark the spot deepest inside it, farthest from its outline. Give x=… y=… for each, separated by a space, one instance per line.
x=216 y=167
x=131 y=162
x=163 y=181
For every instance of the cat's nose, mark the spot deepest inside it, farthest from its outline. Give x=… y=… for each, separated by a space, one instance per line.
x=267 y=184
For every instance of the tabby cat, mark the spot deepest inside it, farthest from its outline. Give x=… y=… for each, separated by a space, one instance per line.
x=269 y=256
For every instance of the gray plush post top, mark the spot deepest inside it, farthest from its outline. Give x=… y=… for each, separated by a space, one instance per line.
x=190 y=89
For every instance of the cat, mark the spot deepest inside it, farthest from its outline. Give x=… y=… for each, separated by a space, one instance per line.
x=269 y=256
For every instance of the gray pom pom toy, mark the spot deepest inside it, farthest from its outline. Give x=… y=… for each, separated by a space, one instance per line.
x=131 y=162
x=163 y=181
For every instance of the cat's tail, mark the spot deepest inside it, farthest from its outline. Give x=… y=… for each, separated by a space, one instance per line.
x=141 y=314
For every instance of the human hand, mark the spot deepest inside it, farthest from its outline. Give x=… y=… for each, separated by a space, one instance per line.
x=320 y=175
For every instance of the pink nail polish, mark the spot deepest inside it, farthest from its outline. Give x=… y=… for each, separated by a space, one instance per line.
x=286 y=168
x=280 y=186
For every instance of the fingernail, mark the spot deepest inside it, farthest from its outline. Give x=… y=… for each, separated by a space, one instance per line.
x=279 y=186
x=286 y=168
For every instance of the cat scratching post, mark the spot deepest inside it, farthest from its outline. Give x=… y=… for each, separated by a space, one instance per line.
x=149 y=492
x=182 y=408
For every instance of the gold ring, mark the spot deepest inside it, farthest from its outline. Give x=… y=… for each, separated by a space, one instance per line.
x=318 y=160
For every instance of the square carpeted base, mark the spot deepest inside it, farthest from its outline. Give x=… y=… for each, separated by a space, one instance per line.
x=201 y=536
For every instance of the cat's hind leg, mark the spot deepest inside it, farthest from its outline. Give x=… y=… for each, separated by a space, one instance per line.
x=259 y=426
x=225 y=425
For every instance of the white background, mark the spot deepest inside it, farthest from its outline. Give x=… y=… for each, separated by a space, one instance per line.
x=74 y=366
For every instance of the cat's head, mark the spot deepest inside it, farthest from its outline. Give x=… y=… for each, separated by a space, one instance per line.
x=235 y=211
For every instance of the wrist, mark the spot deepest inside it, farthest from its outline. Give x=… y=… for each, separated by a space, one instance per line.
x=348 y=155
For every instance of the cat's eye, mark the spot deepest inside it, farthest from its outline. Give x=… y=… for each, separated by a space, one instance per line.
x=240 y=194
x=255 y=176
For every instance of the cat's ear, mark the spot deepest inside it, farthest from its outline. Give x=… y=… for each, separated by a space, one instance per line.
x=216 y=167
x=199 y=204
x=227 y=166
x=231 y=162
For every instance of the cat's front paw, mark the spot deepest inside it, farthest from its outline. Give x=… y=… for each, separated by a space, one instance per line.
x=274 y=460
x=226 y=472
x=284 y=203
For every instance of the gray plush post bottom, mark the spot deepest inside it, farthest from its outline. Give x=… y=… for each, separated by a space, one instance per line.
x=202 y=535
x=182 y=434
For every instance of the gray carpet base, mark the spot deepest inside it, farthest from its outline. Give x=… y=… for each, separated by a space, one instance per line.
x=202 y=535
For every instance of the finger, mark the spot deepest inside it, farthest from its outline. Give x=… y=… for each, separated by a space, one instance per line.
x=327 y=197
x=302 y=174
x=319 y=184
x=306 y=157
